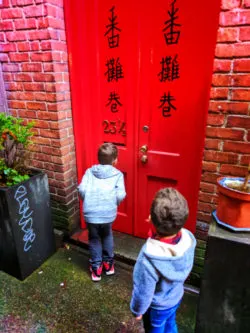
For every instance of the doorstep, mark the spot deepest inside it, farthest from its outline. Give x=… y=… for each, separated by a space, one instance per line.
x=126 y=247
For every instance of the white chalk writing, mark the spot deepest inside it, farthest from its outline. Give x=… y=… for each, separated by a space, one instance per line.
x=26 y=221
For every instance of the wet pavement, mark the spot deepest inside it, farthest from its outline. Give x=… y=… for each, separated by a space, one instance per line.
x=61 y=298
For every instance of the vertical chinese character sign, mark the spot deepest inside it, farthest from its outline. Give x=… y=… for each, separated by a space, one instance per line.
x=169 y=65
x=114 y=126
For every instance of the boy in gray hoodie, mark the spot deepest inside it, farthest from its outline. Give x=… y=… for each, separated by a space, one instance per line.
x=102 y=189
x=163 y=264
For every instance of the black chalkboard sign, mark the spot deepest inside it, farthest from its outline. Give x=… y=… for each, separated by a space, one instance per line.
x=26 y=231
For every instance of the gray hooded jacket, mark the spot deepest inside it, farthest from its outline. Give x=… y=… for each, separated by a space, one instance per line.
x=102 y=189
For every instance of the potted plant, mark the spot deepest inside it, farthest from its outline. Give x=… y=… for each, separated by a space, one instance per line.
x=233 y=209
x=26 y=233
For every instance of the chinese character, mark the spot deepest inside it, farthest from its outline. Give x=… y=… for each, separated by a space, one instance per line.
x=166 y=104
x=113 y=101
x=173 y=34
x=113 y=40
x=169 y=69
x=114 y=71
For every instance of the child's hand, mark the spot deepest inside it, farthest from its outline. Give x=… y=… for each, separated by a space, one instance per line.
x=139 y=317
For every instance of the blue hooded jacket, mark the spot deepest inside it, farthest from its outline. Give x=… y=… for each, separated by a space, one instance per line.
x=160 y=272
x=102 y=189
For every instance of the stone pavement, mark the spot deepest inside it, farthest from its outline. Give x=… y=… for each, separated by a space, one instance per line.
x=61 y=298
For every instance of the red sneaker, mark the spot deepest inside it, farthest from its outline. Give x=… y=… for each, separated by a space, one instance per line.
x=109 y=268
x=96 y=273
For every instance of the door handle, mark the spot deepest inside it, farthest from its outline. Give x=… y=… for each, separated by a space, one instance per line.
x=144 y=159
x=144 y=149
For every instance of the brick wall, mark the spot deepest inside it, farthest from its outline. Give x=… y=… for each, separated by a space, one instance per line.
x=33 y=53
x=227 y=146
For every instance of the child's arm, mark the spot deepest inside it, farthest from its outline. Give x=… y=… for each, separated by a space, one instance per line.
x=120 y=189
x=83 y=185
x=144 y=281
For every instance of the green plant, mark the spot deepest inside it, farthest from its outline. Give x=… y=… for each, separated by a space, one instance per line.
x=14 y=137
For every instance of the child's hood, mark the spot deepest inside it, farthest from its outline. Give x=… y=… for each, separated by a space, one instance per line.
x=104 y=171
x=174 y=262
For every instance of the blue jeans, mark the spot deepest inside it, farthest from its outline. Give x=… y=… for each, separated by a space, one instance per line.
x=101 y=243
x=160 y=321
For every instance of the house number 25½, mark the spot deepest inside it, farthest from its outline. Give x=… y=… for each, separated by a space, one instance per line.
x=114 y=127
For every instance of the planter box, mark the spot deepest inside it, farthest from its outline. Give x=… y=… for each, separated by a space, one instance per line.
x=26 y=232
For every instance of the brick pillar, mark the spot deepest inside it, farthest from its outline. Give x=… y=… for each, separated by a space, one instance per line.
x=33 y=52
x=227 y=146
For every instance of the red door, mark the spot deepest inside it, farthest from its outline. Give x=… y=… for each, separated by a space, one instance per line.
x=140 y=77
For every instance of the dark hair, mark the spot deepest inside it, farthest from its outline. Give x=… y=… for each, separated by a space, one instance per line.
x=169 y=211
x=107 y=153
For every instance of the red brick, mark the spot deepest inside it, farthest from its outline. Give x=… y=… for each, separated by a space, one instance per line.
x=240 y=95
x=237 y=147
x=13 y=86
x=16 y=105
x=60 y=67
x=7 y=77
x=42 y=124
x=43 y=23
x=36 y=106
x=51 y=151
x=230 y=18
x=24 y=2
x=235 y=121
x=38 y=34
x=41 y=141
x=7 y=47
x=244 y=17
x=25 y=24
x=206 y=197
x=221 y=80
x=242 y=80
x=219 y=93
x=209 y=177
x=11 y=13
x=233 y=170
x=27 y=114
x=16 y=36
x=244 y=33
x=34 y=67
x=55 y=11
x=42 y=77
x=25 y=96
x=225 y=133
x=224 y=50
x=245 y=159
x=218 y=156
x=40 y=96
x=4 y=57
x=48 y=67
x=23 y=77
x=33 y=86
x=23 y=46
x=35 y=46
x=41 y=56
x=246 y=3
x=242 y=65
x=228 y=107
x=58 y=3
x=248 y=136
x=56 y=23
x=205 y=207
x=227 y=35
x=6 y=26
x=212 y=144
x=2 y=37
x=230 y=4
x=209 y=166
x=19 y=57
x=50 y=133
x=215 y=120
x=242 y=50
x=62 y=35
x=35 y=11
x=38 y=164
x=204 y=217
x=47 y=115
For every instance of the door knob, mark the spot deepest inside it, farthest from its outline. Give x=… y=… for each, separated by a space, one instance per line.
x=144 y=159
x=144 y=149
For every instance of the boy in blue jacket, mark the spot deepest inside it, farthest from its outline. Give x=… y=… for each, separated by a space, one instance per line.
x=163 y=264
x=102 y=189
